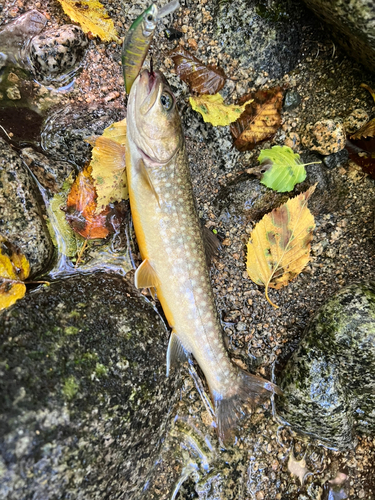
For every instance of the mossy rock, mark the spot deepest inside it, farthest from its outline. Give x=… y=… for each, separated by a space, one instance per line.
x=329 y=382
x=84 y=396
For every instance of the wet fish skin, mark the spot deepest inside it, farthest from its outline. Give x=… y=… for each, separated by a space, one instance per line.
x=169 y=236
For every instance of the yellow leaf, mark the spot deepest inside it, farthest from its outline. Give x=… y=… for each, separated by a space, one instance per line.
x=279 y=246
x=14 y=268
x=108 y=172
x=214 y=111
x=92 y=17
x=117 y=132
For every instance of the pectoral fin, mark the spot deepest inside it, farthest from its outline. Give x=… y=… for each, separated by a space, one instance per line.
x=145 y=276
x=175 y=353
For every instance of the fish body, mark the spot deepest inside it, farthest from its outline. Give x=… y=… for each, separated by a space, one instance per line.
x=170 y=240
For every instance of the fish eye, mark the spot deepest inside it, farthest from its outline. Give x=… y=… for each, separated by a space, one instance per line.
x=150 y=17
x=166 y=100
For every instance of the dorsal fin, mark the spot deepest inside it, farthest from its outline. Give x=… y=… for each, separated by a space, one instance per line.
x=146 y=177
x=175 y=353
x=145 y=276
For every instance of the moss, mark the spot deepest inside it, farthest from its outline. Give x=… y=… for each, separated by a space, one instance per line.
x=100 y=370
x=70 y=387
x=71 y=330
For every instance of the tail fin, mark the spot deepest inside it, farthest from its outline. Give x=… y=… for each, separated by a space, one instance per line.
x=249 y=389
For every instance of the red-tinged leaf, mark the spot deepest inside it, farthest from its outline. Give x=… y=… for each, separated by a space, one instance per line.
x=81 y=206
x=260 y=120
x=201 y=78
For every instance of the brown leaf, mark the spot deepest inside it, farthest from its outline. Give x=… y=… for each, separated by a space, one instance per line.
x=81 y=205
x=367 y=130
x=260 y=120
x=200 y=78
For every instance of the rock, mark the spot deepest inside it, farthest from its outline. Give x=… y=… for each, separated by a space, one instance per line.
x=292 y=100
x=325 y=136
x=56 y=52
x=15 y=35
x=329 y=382
x=352 y=25
x=21 y=218
x=85 y=399
x=50 y=174
x=65 y=131
x=261 y=36
x=337 y=159
x=356 y=120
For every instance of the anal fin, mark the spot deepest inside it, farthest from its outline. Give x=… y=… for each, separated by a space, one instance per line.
x=145 y=276
x=175 y=353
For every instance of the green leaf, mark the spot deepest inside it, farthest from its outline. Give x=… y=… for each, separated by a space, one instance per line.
x=286 y=168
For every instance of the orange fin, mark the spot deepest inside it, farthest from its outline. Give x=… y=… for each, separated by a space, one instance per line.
x=145 y=276
x=176 y=352
x=147 y=179
x=250 y=390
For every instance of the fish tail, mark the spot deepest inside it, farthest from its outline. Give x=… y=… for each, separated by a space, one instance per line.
x=249 y=390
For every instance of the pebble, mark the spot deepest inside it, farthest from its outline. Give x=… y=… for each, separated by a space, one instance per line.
x=325 y=137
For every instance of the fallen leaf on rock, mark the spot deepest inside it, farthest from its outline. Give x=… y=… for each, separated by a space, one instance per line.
x=214 y=111
x=279 y=245
x=201 y=78
x=260 y=120
x=80 y=211
x=92 y=17
x=14 y=269
x=284 y=168
x=367 y=130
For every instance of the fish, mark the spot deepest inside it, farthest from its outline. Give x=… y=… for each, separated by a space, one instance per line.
x=170 y=240
x=138 y=39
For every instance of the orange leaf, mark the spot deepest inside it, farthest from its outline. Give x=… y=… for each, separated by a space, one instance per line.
x=81 y=206
x=260 y=120
x=200 y=78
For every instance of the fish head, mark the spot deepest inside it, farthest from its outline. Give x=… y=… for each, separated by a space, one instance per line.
x=153 y=121
x=149 y=20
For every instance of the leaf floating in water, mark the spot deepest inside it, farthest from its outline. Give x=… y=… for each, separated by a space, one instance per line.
x=214 y=111
x=14 y=269
x=92 y=17
x=201 y=78
x=260 y=120
x=279 y=246
x=81 y=208
x=284 y=168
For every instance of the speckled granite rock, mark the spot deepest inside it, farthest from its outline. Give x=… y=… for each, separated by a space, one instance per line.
x=84 y=395
x=352 y=24
x=56 y=52
x=262 y=36
x=325 y=136
x=50 y=174
x=329 y=382
x=21 y=219
x=65 y=131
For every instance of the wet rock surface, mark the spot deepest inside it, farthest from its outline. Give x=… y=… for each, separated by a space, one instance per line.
x=329 y=381
x=84 y=394
x=56 y=52
x=352 y=24
x=21 y=219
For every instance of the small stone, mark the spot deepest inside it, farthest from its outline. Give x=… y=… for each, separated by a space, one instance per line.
x=292 y=100
x=355 y=120
x=337 y=159
x=325 y=136
x=13 y=93
x=13 y=78
x=292 y=140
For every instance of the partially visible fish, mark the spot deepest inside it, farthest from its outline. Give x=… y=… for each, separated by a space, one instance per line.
x=169 y=236
x=138 y=39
